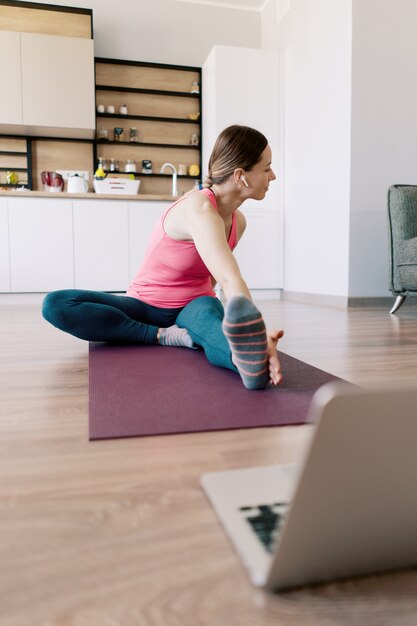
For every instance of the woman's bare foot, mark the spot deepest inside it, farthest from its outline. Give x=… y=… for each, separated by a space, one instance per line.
x=275 y=374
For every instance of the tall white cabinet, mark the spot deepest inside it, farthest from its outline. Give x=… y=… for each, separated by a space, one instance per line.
x=242 y=86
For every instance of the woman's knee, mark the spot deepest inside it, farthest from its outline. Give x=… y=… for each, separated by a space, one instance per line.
x=55 y=305
x=199 y=311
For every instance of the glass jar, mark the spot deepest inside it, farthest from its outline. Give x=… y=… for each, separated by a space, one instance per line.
x=134 y=134
x=195 y=139
x=102 y=134
x=130 y=166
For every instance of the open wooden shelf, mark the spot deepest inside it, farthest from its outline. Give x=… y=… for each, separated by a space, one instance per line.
x=159 y=99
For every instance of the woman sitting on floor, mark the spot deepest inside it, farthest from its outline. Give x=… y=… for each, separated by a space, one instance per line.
x=171 y=301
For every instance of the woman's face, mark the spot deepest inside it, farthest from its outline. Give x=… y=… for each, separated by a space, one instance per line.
x=259 y=177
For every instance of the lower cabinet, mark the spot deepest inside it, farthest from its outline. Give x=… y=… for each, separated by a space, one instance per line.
x=101 y=250
x=4 y=247
x=142 y=217
x=41 y=244
x=54 y=243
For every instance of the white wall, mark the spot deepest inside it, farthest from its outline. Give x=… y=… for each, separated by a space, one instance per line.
x=316 y=38
x=384 y=131
x=164 y=31
x=351 y=132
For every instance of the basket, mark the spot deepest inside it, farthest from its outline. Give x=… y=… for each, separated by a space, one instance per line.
x=116 y=186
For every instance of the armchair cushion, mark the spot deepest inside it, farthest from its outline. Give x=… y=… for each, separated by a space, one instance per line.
x=407 y=264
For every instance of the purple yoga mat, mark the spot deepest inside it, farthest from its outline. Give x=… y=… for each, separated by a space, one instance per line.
x=152 y=390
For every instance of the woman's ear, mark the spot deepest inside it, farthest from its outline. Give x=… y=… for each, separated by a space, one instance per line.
x=239 y=177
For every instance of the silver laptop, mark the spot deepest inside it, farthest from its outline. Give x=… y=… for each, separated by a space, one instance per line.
x=349 y=509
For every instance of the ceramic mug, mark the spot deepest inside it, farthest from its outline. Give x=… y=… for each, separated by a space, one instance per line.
x=111 y=109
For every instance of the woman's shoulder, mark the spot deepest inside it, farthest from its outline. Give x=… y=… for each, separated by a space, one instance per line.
x=199 y=202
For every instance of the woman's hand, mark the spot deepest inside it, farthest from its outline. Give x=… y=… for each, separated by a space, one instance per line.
x=275 y=374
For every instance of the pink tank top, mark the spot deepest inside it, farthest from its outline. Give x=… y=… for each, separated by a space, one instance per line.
x=173 y=273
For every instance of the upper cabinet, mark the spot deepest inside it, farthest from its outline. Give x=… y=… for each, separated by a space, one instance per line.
x=48 y=51
x=58 y=85
x=51 y=86
x=11 y=99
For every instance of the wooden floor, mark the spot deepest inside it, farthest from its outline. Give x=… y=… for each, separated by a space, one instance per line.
x=119 y=533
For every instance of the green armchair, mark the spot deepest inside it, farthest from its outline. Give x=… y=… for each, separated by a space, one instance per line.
x=402 y=238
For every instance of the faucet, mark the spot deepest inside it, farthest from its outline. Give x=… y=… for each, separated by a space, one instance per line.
x=174 y=178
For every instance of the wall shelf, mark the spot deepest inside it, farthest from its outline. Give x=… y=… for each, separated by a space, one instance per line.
x=156 y=92
x=153 y=175
x=138 y=144
x=149 y=118
x=16 y=156
x=160 y=101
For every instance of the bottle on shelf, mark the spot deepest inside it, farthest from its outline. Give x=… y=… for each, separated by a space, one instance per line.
x=118 y=133
x=114 y=165
x=100 y=173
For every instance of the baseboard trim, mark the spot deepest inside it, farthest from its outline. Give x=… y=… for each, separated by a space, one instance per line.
x=259 y=294
x=315 y=298
x=343 y=301
x=266 y=294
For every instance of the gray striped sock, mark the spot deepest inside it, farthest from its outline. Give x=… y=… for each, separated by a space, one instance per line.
x=176 y=336
x=245 y=331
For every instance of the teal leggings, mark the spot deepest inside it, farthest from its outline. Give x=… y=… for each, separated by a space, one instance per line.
x=100 y=316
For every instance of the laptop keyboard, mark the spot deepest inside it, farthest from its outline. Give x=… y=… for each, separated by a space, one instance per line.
x=266 y=521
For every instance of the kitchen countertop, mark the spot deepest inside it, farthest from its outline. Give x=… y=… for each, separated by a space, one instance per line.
x=86 y=196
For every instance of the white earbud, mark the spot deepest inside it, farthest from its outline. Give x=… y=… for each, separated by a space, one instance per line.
x=245 y=182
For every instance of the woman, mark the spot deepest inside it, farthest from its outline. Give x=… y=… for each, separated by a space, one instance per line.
x=172 y=301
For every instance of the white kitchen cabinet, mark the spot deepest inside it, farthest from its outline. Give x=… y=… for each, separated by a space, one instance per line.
x=242 y=86
x=101 y=255
x=4 y=247
x=58 y=83
x=50 y=85
x=11 y=98
x=257 y=251
x=142 y=217
x=41 y=244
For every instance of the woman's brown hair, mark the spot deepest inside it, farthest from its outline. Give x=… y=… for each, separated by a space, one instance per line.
x=236 y=146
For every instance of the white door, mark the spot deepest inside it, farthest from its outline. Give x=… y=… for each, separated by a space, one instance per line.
x=142 y=217
x=4 y=247
x=101 y=245
x=41 y=252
